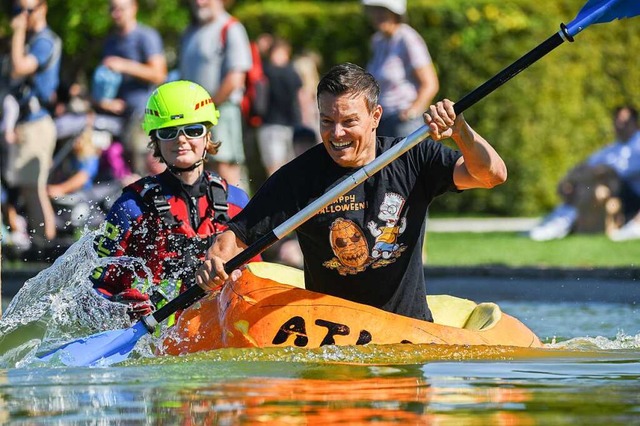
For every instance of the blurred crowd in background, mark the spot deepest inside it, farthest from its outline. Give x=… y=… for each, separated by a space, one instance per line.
x=69 y=149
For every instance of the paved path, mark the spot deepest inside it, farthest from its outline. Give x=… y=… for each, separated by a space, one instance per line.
x=498 y=224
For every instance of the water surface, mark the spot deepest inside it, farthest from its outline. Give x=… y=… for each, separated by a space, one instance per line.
x=588 y=373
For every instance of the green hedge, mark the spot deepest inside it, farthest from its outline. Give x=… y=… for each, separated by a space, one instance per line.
x=542 y=122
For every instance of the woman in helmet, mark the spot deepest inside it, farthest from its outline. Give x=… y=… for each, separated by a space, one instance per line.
x=170 y=219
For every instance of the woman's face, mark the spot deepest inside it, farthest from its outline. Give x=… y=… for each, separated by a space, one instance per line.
x=382 y=19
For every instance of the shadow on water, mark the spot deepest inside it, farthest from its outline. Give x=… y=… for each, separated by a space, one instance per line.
x=577 y=287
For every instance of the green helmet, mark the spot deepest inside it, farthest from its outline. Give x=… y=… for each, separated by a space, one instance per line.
x=177 y=103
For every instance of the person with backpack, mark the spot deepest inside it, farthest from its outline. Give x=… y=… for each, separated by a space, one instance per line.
x=35 y=65
x=215 y=53
x=170 y=219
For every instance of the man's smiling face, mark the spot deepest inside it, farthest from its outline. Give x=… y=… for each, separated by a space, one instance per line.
x=348 y=128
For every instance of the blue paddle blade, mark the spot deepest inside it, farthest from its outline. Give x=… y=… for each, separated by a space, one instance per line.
x=105 y=348
x=601 y=11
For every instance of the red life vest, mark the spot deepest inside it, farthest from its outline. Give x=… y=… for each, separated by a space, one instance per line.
x=179 y=248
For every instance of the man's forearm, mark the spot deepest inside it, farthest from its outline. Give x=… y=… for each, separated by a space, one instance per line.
x=481 y=159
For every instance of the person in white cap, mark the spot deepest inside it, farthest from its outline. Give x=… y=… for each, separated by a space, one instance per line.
x=402 y=65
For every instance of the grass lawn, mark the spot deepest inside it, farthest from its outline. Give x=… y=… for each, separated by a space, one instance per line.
x=514 y=250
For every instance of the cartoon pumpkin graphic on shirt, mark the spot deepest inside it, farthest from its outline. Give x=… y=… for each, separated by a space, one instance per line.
x=349 y=246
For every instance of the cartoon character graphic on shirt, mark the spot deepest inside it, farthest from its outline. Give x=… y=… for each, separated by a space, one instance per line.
x=386 y=247
x=349 y=246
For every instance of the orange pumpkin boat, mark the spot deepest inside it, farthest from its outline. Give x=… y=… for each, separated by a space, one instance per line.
x=268 y=306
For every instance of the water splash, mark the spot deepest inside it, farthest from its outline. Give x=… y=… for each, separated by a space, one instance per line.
x=622 y=341
x=59 y=305
x=368 y=354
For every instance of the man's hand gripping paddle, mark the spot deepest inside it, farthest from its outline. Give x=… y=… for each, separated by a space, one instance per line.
x=115 y=346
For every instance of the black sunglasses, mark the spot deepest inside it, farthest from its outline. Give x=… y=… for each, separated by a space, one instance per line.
x=17 y=10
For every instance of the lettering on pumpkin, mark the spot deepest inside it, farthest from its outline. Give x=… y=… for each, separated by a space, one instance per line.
x=296 y=326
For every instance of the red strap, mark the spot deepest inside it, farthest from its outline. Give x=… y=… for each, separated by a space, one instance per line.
x=225 y=29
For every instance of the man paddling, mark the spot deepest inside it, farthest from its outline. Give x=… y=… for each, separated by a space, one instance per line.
x=367 y=245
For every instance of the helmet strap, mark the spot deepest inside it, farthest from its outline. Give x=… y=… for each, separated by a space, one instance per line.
x=175 y=169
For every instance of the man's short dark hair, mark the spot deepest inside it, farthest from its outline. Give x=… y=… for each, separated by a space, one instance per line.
x=348 y=78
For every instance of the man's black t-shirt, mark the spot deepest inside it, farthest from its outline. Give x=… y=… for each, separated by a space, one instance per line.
x=367 y=245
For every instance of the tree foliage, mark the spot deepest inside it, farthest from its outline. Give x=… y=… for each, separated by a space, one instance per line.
x=542 y=122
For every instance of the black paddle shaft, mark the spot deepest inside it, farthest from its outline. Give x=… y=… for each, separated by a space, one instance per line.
x=512 y=70
x=195 y=292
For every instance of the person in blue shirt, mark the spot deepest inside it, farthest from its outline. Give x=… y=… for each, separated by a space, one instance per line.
x=83 y=167
x=35 y=60
x=135 y=52
x=588 y=191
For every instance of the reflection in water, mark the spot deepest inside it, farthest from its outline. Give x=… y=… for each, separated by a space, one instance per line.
x=201 y=391
x=400 y=399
